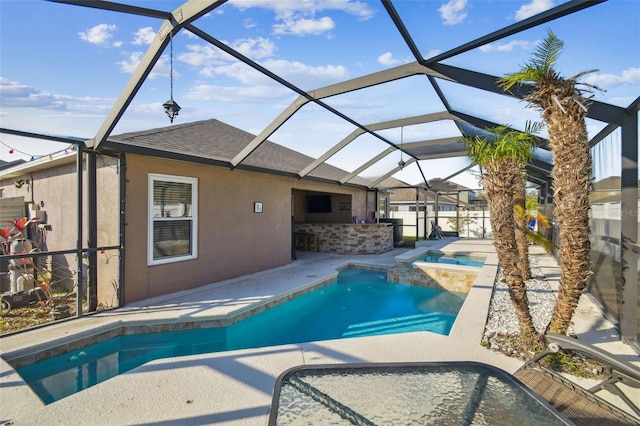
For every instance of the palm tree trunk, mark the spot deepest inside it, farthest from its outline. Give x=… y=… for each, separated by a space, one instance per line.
x=522 y=226
x=498 y=183
x=571 y=174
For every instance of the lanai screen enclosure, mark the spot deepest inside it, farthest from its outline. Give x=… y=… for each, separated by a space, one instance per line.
x=395 y=122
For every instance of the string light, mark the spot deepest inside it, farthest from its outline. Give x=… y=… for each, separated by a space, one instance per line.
x=32 y=157
x=107 y=257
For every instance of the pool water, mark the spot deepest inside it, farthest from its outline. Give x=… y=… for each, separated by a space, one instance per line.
x=456 y=259
x=360 y=303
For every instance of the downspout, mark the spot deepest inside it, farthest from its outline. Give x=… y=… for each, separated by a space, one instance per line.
x=122 y=167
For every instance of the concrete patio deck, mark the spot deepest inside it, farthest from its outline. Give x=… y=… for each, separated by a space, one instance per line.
x=235 y=387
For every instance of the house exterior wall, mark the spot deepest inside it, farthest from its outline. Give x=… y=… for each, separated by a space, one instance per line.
x=53 y=191
x=233 y=240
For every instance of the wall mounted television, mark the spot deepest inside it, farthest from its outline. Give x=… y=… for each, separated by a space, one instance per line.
x=319 y=203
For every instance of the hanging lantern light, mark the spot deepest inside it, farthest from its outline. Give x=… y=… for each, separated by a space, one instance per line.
x=171 y=107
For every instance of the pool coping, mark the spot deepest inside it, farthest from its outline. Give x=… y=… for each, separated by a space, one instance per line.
x=468 y=325
x=64 y=344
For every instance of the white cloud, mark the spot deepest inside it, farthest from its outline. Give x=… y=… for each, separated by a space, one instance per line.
x=304 y=26
x=255 y=47
x=508 y=47
x=189 y=34
x=100 y=34
x=533 y=8
x=453 y=12
x=206 y=55
x=160 y=69
x=299 y=17
x=239 y=72
x=200 y=55
x=298 y=70
x=387 y=59
x=16 y=95
x=295 y=72
x=308 y=7
x=129 y=65
x=239 y=94
x=432 y=53
x=607 y=81
x=144 y=36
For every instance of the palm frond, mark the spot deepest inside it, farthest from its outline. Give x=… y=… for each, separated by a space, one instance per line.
x=539 y=67
x=547 y=53
x=533 y=127
x=507 y=146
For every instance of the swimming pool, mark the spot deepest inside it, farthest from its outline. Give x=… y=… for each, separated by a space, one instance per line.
x=359 y=303
x=451 y=259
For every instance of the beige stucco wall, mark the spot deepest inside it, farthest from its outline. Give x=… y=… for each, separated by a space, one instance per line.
x=233 y=240
x=54 y=191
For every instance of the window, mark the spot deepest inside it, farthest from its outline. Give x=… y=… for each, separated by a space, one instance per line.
x=173 y=226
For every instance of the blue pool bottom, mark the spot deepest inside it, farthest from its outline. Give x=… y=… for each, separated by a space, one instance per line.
x=360 y=303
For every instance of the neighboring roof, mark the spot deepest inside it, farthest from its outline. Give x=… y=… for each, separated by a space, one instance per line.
x=441 y=185
x=608 y=190
x=4 y=165
x=217 y=143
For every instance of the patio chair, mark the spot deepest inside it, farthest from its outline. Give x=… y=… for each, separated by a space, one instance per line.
x=583 y=406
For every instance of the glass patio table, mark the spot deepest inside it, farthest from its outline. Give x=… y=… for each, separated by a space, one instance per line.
x=449 y=393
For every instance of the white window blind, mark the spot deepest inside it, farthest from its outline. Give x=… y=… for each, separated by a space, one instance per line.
x=172 y=218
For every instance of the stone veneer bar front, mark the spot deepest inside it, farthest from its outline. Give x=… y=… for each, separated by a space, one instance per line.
x=347 y=238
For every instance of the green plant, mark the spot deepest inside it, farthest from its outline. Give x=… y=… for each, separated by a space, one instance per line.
x=462 y=222
x=561 y=361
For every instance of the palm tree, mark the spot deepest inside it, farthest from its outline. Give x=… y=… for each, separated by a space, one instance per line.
x=563 y=110
x=522 y=227
x=502 y=160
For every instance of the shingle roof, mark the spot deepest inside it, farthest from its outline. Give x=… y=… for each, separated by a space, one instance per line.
x=215 y=142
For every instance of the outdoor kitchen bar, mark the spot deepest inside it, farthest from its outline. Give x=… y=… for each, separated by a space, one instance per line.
x=344 y=238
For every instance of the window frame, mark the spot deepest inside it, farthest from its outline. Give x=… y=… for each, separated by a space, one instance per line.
x=153 y=177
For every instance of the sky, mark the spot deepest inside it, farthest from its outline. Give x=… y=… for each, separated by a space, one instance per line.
x=62 y=67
